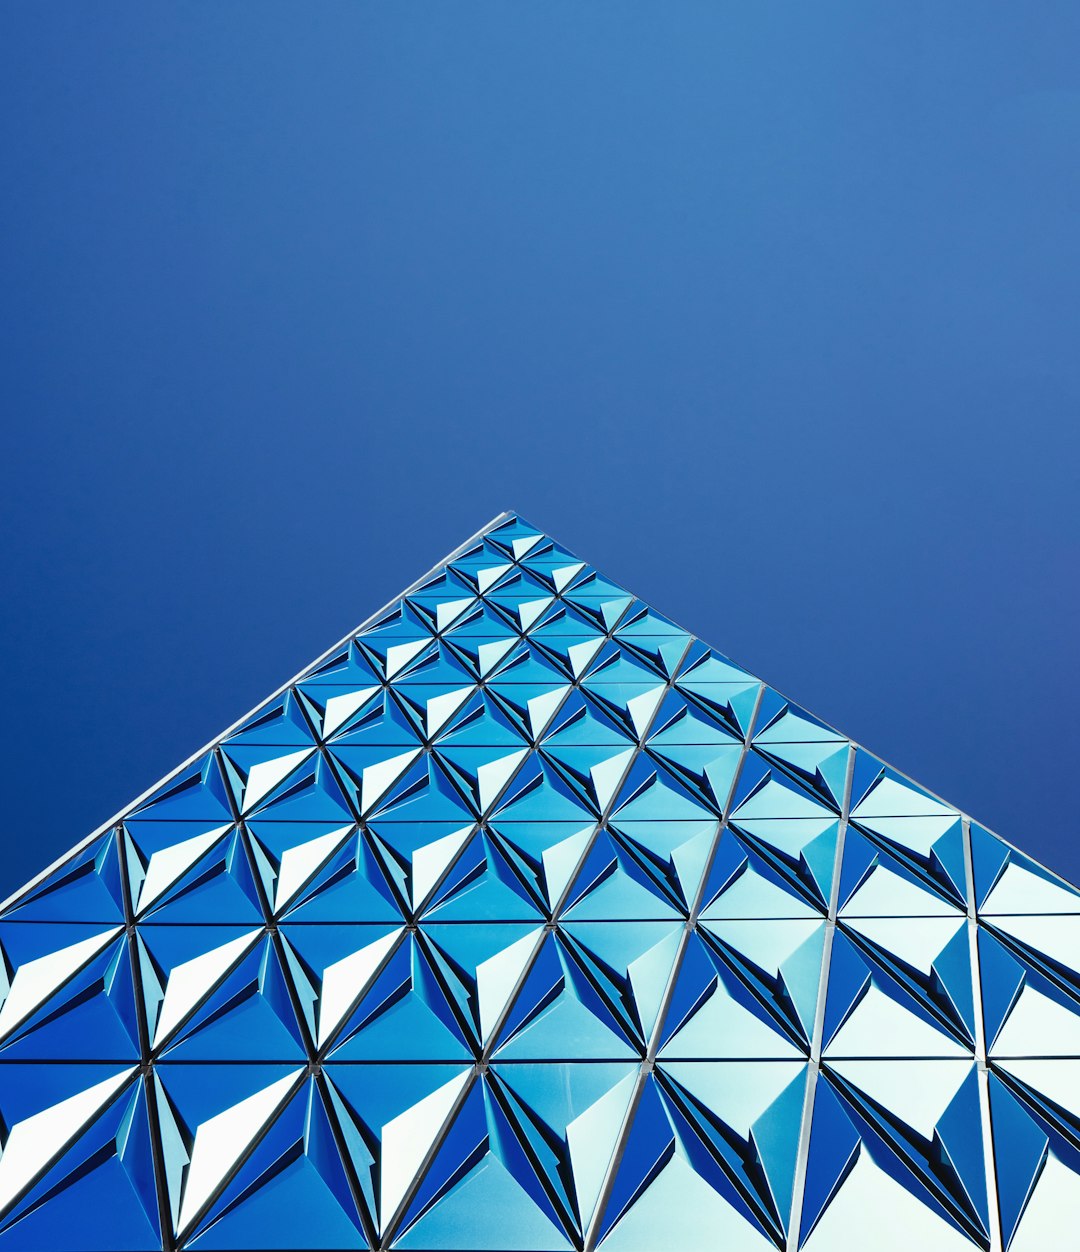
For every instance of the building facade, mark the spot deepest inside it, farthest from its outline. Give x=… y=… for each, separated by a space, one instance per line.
x=524 y=920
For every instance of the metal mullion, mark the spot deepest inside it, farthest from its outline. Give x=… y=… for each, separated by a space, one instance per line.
x=130 y=929
x=653 y=1045
x=345 y=1157
x=981 y=1062
x=817 y=1043
x=146 y=1068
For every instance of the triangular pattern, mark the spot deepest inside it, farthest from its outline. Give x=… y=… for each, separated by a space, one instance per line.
x=523 y=920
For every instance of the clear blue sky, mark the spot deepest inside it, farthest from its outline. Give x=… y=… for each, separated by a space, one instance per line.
x=769 y=310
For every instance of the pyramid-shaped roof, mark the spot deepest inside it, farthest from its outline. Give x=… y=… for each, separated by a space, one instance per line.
x=524 y=920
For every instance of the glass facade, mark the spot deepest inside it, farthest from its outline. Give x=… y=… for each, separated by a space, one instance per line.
x=525 y=920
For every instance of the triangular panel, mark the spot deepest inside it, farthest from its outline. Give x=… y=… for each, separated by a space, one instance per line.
x=522 y=919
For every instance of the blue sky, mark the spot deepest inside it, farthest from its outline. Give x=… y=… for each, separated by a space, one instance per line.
x=768 y=310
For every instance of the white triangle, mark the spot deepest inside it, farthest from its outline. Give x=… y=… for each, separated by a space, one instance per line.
x=487 y=577
x=1018 y=890
x=190 y=982
x=377 y=779
x=918 y=941
x=36 y=980
x=441 y=708
x=642 y=707
x=488 y=655
x=542 y=708
x=344 y=982
x=893 y=799
x=264 y=777
x=521 y=546
x=872 y=1210
x=1038 y=1026
x=885 y=894
x=497 y=976
x=401 y=654
x=723 y=1029
x=431 y=859
x=778 y=803
x=492 y=777
x=168 y=865
x=598 y=1124
x=36 y=1142
x=406 y=1140
x=918 y=833
x=339 y=709
x=449 y=611
x=768 y=943
x=880 y=1027
x=753 y=896
x=529 y=610
x=565 y=574
x=739 y=1093
x=680 y=1210
x=560 y=861
x=222 y=1140
x=918 y=1091
x=299 y=863
x=580 y=655
x=607 y=775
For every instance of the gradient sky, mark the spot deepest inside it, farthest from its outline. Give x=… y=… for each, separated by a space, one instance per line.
x=768 y=310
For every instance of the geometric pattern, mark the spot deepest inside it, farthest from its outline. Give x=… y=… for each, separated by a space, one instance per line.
x=524 y=920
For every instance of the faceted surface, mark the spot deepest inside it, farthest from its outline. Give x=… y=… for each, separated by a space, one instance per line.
x=523 y=920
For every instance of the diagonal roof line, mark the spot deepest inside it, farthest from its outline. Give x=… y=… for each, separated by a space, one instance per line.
x=71 y=853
